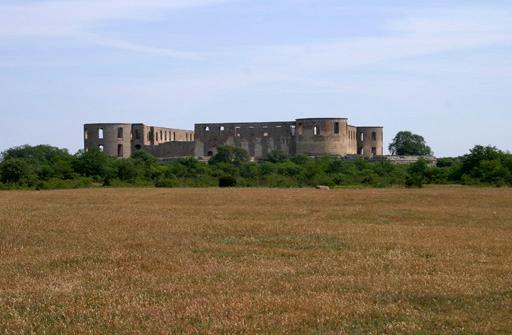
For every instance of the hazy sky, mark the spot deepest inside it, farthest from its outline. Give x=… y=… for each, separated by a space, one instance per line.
x=442 y=69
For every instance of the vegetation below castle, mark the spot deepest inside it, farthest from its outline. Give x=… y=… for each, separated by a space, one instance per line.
x=45 y=167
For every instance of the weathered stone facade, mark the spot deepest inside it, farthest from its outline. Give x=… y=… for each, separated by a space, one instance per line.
x=311 y=136
x=123 y=139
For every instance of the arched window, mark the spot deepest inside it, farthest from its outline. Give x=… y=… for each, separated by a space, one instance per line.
x=101 y=148
x=100 y=133
x=120 y=150
x=120 y=132
x=316 y=130
x=300 y=129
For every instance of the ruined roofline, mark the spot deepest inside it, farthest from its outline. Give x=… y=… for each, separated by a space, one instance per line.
x=321 y=118
x=381 y=127
x=134 y=124
x=109 y=124
x=272 y=122
x=240 y=123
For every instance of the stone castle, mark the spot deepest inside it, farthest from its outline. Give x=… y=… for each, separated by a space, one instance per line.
x=311 y=136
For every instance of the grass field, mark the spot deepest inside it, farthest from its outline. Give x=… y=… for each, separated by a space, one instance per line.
x=371 y=261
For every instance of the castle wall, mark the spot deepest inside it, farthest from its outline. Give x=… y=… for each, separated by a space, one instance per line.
x=171 y=149
x=351 y=140
x=122 y=139
x=112 y=138
x=257 y=138
x=316 y=137
x=310 y=136
x=370 y=141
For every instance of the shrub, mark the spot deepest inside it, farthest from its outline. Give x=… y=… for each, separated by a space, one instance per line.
x=17 y=171
x=94 y=163
x=277 y=156
x=414 y=181
x=227 y=181
x=55 y=183
x=288 y=169
x=232 y=155
x=275 y=180
x=167 y=183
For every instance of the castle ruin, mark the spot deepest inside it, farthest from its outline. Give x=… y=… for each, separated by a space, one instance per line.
x=310 y=136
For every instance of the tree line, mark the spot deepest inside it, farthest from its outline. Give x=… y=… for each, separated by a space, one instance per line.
x=46 y=167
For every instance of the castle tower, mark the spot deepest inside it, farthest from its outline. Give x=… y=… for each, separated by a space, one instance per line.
x=325 y=136
x=370 y=141
x=112 y=138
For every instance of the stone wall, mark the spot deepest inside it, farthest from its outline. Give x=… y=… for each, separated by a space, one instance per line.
x=171 y=149
x=122 y=139
x=370 y=141
x=308 y=136
x=112 y=138
x=257 y=138
x=317 y=137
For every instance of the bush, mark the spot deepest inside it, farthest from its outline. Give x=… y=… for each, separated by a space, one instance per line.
x=95 y=164
x=232 y=155
x=227 y=181
x=167 y=183
x=417 y=173
x=17 y=171
x=275 y=180
x=414 y=181
x=277 y=156
x=45 y=167
x=55 y=183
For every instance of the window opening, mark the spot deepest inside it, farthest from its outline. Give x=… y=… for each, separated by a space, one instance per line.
x=316 y=130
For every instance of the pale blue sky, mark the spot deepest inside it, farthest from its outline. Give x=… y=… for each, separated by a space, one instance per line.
x=442 y=69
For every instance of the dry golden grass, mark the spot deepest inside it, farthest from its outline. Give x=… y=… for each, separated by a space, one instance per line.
x=391 y=261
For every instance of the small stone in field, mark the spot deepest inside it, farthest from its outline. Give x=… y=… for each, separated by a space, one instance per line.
x=323 y=187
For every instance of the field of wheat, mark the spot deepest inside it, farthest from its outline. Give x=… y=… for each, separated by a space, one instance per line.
x=170 y=261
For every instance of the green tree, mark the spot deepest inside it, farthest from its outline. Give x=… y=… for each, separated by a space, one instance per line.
x=232 y=155
x=407 y=143
x=479 y=154
x=486 y=164
x=16 y=171
x=277 y=156
x=94 y=163
x=416 y=173
x=46 y=161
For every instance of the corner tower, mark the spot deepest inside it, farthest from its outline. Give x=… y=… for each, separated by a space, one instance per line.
x=112 y=138
x=370 y=141
x=325 y=136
